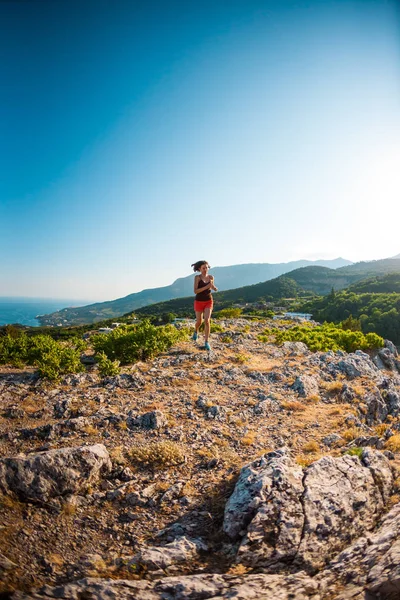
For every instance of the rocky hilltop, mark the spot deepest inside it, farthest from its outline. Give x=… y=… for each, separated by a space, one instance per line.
x=253 y=471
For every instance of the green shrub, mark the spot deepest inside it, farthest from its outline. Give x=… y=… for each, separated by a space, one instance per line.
x=137 y=342
x=51 y=357
x=357 y=451
x=228 y=313
x=324 y=337
x=107 y=367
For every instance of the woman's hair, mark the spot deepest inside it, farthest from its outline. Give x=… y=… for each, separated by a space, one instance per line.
x=196 y=266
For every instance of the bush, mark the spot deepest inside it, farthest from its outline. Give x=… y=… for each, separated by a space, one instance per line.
x=229 y=313
x=51 y=357
x=157 y=454
x=324 y=337
x=107 y=367
x=137 y=342
x=356 y=451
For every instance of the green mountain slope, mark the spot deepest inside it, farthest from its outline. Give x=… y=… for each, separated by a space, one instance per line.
x=386 y=284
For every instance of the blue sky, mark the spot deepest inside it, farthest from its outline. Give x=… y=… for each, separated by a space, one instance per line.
x=139 y=137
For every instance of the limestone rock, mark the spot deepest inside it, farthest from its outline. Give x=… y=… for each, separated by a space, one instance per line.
x=193 y=587
x=295 y=348
x=342 y=499
x=45 y=475
x=355 y=364
x=383 y=401
x=387 y=357
x=181 y=550
x=305 y=385
x=282 y=515
x=265 y=509
x=332 y=439
x=150 y=420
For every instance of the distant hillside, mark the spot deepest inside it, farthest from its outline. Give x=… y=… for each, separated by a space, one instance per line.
x=362 y=270
x=386 y=284
x=275 y=289
x=227 y=278
x=300 y=282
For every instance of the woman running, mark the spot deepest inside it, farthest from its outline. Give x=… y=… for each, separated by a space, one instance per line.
x=203 y=303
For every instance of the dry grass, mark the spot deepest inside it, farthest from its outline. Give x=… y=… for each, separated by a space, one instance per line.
x=313 y=399
x=359 y=390
x=393 y=443
x=189 y=489
x=393 y=500
x=68 y=509
x=237 y=421
x=11 y=503
x=90 y=429
x=311 y=446
x=238 y=570
x=157 y=454
x=381 y=429
x=117 y=455
x=351 y=434
x=56 y=559
x=338 y=410
x=293 y=405
x=225 y=455
x=332 y=387
x=307 y=460
x=249 y=439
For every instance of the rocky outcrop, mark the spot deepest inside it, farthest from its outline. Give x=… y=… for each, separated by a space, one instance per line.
x=189 y=587
x=382 y=402
x=352 y=365
x=282 y=515
x=387 y=357
x=265 y=510
x=45 y=475
x=369 y=568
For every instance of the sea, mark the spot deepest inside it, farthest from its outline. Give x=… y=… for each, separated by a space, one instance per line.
x=25 y=310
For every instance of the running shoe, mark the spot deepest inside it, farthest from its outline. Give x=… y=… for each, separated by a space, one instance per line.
x=194 y=336
x=207 y=346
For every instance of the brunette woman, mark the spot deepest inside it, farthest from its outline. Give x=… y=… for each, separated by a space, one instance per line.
x=203 y=303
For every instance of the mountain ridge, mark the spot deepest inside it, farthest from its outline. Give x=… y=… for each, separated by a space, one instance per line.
x=249 y=274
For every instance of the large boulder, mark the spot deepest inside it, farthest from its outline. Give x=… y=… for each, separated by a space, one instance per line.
x=343 y=498
x=45 y=475
x=265 y=510
x=283 y=515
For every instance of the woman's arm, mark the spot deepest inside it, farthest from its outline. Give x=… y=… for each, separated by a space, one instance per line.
x=212 y=284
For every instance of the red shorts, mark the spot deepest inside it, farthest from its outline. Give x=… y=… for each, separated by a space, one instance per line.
x=200 y=305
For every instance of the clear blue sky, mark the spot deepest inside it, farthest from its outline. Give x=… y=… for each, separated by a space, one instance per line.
x=139 y=137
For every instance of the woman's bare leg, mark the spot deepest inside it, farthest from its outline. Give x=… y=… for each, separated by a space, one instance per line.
x=207 y=317
x=199 y=319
